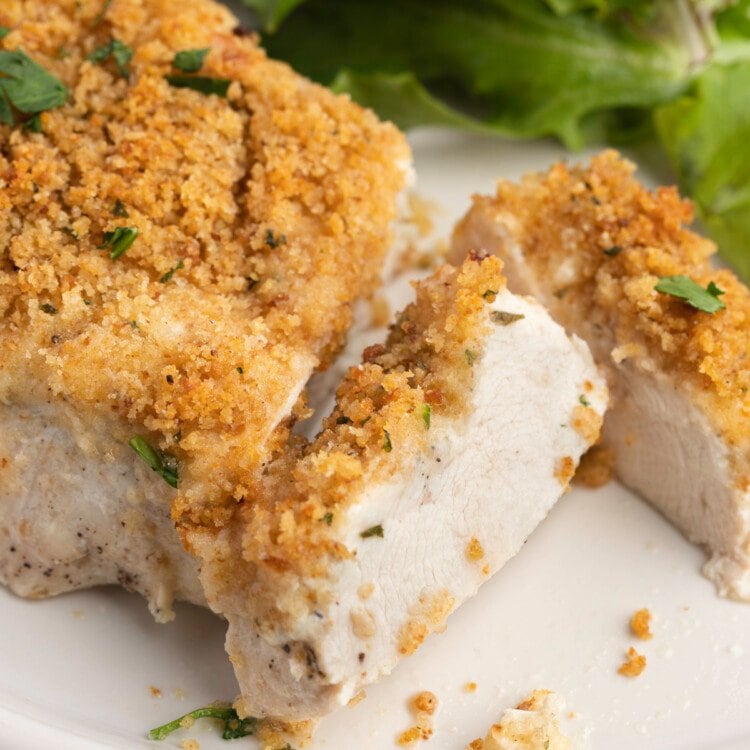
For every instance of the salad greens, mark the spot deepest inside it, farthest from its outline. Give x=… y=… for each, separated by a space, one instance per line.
x=693 y=294
x=581 y=71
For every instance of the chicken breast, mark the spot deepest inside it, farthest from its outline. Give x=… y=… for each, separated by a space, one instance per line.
x=174 y=265
x=591 y=244
x=447 y=447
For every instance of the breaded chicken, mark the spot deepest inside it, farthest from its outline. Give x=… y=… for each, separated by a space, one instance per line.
x=446 y=448
x=592 y=244
x=261 y=216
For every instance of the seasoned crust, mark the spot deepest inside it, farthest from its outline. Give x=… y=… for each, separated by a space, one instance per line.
x=276 y=200
x=379 y=423
x=567 y=218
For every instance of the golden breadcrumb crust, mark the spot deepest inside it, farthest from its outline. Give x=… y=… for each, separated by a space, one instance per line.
x=640 y=624
x=600 y=241
x=384 y=410
x=633 y=665
x=275 y=201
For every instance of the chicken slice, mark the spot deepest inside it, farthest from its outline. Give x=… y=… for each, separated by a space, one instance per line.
x=446 y=448
x=591 y=244
x=261 y=218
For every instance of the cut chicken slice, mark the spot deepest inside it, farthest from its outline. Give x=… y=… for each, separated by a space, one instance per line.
x=260 y=217
x=591 y=244
x=446 y=448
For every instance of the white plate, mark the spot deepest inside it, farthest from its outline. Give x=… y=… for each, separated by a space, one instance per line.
x=76 y=671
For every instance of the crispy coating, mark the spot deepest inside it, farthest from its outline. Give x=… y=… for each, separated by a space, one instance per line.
x=275 y=200
x=604 y=241
x=379 y=423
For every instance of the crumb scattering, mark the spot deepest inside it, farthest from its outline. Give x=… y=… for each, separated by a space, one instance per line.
x=474 y=550
x=155 y=691
x=531 y=725
x=425 y=702
x=640 y=624
x=470 y=687
x=596 y=467
x=633 y=665
x=190 y=745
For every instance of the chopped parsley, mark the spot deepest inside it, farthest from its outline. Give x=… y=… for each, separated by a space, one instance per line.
x=119 y=52
x=343 y=420
x=426 y=415
x=612 y=251
x=387 y=444
x=27 y=87
x=162 y=463
x=190 y=60
x=70 y=232
x=684 y=288
x=490 y=294
x=273 y=241
x=372 y=531
x=327 y=518
x=203 y=84
x=49 y=309
x=505 y=318
x=34 y=124
x=119 y=240
x=233 y=728
x=119 y=209
x=168 y=275
x=470 y=357
x=4 y=31
x=241 y=370
x=584 y=401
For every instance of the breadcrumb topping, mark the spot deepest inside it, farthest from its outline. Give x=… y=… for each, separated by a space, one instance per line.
x=640 y=624
x=269 y=208
x=633 y=665
x=596 y=467
x=377 y=426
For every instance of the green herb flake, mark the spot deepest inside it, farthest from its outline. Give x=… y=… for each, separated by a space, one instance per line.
x=241 y=370
x=372 y=531
x=28 y=87
x=327 y=518
x=233 y=728
x=164 y=464
x=584 y=401
x=470 y=357
x=119 y=209
x=190 y=60
x=169 y=274
x=490 y=294
x=504 y=318
x=119 y=52
x=49 y=309
x=70 y=232
x=34 y=124
x=684 y=288
x=273 y=241
x=62 y=53
x=118 y=241
x=202 y=84
x=387 y=444
x=426 y=415
x=612 y=251
x=343 y=420
x=4 y=31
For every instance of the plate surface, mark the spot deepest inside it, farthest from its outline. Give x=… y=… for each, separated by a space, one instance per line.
x=76 y=672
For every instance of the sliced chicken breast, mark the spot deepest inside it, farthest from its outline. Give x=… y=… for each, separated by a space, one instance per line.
x=447 y=447
x=253 y=221
x=591 y=244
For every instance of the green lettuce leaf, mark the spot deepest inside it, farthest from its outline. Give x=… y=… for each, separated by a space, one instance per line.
x=272 y=12
x=707 y=137
x=516 y=66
